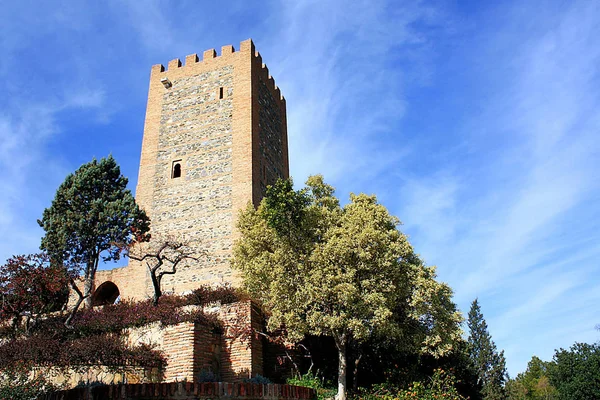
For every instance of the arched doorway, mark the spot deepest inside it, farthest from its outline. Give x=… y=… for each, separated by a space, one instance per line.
x=107 y=293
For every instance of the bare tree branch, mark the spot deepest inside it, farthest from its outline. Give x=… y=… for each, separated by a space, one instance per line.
x=162 y=256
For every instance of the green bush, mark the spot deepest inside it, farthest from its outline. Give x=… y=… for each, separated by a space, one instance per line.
x=324 y=391
x=442 y=385
x=16 y=385
x=207 y=376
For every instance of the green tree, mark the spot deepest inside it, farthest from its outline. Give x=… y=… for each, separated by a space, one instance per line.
x=322 y=269
x=91 y=216
x=17 y=384
x=576 y=372
x=533 y=383
x=488 y=363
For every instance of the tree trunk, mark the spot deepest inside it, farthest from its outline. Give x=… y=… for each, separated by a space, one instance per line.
x=341 y=344
x=76 y=307
x=355 y=378
x=88 y=285
x=156 y=286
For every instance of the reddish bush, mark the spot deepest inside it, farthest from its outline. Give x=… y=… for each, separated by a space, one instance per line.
x=116 y=317
x=94 y=339
x=30 y=286
x=225 y=294
x=108 y=350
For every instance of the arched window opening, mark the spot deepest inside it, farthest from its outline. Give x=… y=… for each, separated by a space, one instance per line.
x=107 y=293
x=176 y=170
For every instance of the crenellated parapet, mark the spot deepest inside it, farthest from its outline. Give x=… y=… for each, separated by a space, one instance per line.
x=211 y=58
x=208 y=56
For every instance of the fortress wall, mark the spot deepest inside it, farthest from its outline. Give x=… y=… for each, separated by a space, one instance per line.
x=191 y=350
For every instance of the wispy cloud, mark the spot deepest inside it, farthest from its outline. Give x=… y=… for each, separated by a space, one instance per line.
x=337 y=64
x=34 y=102
x=518 y=213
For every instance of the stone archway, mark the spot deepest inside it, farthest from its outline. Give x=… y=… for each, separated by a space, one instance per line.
x=107 y=293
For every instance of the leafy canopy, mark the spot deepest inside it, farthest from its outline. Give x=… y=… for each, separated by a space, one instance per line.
x=345 y=272
x=321 y=269
x=91 y=212
x=575 y=372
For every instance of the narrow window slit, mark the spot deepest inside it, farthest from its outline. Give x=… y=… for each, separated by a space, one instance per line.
x=176 y=173
x=221 y=92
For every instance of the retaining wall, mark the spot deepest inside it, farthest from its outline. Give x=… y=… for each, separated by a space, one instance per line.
x=187 y=391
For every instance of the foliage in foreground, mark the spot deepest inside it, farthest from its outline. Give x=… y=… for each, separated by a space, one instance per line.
x=106 y=350
x=95 y=340
x=31 y=286
x=310 y=380
x=343 y=272
x=442 y=385
x=15 y=384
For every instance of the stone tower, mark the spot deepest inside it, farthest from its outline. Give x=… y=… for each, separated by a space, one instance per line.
x=215 y=136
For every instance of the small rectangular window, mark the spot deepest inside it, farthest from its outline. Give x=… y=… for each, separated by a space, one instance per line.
x=176 y=169
x=221 y=92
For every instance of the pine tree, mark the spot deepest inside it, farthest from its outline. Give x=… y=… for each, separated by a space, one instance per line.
x=92 y=217
x=489 y=365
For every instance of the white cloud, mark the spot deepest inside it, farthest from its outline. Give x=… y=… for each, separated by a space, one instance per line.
x=334 y=61
x=30 y=172
x=511 y=238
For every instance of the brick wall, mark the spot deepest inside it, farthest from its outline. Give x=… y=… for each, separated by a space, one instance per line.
x=187 y=391
x=241 y=353
x=191 y=350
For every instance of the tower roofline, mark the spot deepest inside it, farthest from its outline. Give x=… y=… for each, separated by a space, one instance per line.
x=227 y=51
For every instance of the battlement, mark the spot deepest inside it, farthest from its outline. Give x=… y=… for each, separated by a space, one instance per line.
x=228 y=52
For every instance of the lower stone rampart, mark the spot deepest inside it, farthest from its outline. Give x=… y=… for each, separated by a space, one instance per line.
x=187 y=391
x=193 y=351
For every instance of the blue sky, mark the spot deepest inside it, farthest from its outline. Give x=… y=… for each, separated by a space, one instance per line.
x=476 y=123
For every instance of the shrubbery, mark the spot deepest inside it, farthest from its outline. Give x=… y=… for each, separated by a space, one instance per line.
x=108 y=350
x=312 y=381
x=442 y=385
x=224 y=294
x=15 y=384
x=95 y=336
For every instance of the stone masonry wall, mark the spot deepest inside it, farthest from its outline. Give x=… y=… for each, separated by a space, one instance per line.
x=196 y=132
x=270 y=137
x=223 y=120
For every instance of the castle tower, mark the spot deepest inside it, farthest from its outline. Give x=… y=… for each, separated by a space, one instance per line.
x=215 y=137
